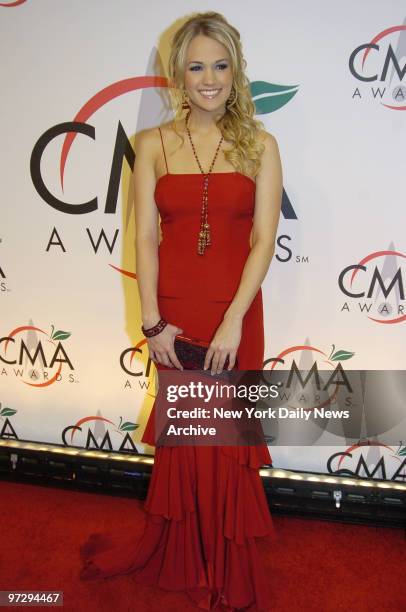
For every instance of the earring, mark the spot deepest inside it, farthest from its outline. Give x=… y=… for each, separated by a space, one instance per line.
x=185 y=100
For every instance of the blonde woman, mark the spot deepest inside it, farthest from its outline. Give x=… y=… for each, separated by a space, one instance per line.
x=214 y=176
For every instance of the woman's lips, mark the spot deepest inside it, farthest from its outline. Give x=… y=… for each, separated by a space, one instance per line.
x=209 y=93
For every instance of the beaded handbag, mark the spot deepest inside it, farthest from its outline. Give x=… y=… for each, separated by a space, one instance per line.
x=191 y=352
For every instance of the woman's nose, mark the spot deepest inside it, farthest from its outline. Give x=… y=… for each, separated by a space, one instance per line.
x=209 y=76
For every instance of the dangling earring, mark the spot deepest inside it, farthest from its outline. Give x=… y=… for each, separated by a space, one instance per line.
x=185 y=100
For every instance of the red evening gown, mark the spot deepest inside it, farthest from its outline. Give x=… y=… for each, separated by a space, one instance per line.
x=206 y=508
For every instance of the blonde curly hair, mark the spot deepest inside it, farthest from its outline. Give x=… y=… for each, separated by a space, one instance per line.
x=237 y=125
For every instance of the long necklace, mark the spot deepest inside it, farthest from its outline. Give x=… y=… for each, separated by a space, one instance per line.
x=204 y=233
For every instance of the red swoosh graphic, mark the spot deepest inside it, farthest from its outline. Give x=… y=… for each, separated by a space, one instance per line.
x=89 y=418
x=389 y=321
x=22 y=328
x=48 y=382
x=394 y=107
x=16 y=3
x=134 y=352
x=100 y=99
x=296 y=348
x=381 y=35
x=125 y=272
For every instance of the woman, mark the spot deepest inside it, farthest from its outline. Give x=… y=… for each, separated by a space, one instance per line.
x=206 y=505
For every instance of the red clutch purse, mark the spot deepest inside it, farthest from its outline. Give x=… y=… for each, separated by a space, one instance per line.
x=191 y=352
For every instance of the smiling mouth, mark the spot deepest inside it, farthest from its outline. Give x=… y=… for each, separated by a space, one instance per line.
x=209 y=93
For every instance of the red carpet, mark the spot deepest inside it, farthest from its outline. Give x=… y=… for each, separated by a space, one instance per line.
x=314 y=565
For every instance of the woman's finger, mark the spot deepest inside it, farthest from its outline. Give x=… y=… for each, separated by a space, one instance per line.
x=174 y=359
x=221 y=362
x=207 y=360
x=215 y=362
x=164 y=359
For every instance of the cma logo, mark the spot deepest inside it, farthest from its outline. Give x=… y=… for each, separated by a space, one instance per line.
x=122 y=150
x=378 y=62
x=378 y=283
x=388 y=59
x=391 y=465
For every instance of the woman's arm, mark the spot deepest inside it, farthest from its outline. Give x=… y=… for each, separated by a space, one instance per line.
x=268 y=199
x=146 y=246
x=146 y=225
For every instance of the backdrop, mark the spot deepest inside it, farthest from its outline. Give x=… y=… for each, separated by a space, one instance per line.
x=79 y=80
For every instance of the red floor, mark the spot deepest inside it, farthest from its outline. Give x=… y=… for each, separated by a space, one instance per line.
x=315 y=565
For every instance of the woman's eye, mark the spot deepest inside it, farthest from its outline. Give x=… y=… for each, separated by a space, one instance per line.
x=197 y=68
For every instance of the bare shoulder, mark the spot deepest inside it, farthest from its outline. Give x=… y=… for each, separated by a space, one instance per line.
x=147 y=141
x=270 y=154
x=269 y=141
x=271 y=166
x=172 y=132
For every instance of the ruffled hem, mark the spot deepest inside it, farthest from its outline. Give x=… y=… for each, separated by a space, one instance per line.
x=206 y=513
x=158 y=561
x=183 y=475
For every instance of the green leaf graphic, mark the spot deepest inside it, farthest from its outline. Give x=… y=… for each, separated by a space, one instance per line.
x=128 y=426
x=342 y=356
x=402 y=452
x=278 y=96
x=61 y=335
x=7 y=412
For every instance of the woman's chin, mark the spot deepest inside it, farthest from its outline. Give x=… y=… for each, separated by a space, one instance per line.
x=212 y=105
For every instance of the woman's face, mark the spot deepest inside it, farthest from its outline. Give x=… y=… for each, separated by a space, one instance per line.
x=208 y=74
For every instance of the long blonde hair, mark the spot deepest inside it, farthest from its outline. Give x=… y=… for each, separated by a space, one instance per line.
x=237 y=125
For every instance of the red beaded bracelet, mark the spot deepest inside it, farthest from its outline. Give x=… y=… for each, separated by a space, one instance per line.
x=153 y=331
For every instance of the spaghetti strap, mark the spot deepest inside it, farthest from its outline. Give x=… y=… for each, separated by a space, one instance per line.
x=163 y=148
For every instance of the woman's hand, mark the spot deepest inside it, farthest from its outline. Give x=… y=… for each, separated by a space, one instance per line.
x=161 y=348
x=225 y=343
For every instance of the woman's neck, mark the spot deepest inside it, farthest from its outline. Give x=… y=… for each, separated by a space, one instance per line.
x=203 y=123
